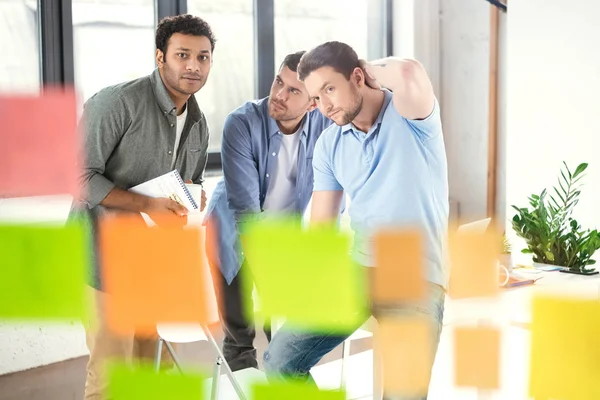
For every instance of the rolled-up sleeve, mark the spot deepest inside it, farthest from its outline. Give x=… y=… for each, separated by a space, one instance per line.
x=240 y=169
x=103 y=123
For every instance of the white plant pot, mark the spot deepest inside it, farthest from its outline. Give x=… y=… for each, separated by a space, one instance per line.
x=507 y=261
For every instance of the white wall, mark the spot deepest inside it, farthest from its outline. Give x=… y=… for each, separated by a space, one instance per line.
x=554 y=71
x=464 y=59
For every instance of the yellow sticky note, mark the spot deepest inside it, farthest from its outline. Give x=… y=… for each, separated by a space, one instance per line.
x=565 y=349
x=405 y=349
x=306 y=276
x=477 y=357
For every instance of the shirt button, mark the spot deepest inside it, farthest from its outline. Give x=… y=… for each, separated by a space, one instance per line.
x=273 y=154
x=172 y=125
x=267 y=175
x=170 y=152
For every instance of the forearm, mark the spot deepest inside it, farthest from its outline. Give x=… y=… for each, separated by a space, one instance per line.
x=325 y=208
x=126 y=201
x=394 y=73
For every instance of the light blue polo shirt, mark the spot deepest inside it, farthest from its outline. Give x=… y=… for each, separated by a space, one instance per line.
x=396 y=176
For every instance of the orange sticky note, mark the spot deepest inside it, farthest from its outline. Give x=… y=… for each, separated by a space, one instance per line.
x=152 y=275
x=399 y=273
x=405 y=349
x=473 y=264
x=477 y=357
x=40 y=145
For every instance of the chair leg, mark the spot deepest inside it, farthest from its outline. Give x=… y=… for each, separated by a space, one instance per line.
x=159 y=345
x=228 y=371
x=216 y=379
x=173 y=355
x=345 y=355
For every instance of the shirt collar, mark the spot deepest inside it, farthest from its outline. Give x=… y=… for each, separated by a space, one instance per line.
x=166 y=103
x=386 y=102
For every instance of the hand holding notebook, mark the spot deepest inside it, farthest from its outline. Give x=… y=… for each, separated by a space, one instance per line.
x=171 y=186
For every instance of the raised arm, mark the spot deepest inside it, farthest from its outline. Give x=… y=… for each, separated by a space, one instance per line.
x=414 y=98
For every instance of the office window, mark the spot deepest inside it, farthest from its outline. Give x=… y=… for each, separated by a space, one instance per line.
x=113 y=42
x=19 y=44
x=302 y=25
x=231 y=79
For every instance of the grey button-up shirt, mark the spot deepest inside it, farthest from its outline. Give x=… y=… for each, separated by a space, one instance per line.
x=129 y=137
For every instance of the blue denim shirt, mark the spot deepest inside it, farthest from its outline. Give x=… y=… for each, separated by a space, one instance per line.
x=249 y=148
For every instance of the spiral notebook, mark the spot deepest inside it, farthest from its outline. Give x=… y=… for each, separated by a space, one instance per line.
x=169 y=185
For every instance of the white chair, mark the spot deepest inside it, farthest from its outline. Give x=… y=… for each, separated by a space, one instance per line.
x=189 y=333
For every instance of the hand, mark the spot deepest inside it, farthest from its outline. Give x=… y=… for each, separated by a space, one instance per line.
x=369 y=78
x=203 y=201
x=202 y=196
x=166 y=212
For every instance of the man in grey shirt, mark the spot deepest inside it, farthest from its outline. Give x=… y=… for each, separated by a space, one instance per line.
x=136 y=131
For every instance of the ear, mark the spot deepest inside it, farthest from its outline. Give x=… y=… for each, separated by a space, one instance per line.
x=311 y=105
x=358 y=76
x=160 y=58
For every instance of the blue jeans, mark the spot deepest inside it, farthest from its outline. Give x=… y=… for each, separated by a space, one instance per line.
x=292 y=353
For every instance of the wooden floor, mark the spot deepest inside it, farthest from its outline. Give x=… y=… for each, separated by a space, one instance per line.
x=65 y=380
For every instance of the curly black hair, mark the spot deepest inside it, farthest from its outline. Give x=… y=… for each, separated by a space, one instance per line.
x=186 y=24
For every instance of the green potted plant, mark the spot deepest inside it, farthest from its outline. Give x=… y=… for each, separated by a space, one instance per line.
x=552 y=235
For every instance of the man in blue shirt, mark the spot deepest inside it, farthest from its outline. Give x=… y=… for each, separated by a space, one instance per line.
x=386 y=152
x=266 y=151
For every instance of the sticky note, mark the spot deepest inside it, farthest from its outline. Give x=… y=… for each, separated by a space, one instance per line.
x=565 y=348
x=152 y=275
x=294 y=391
x=405 y=348
x=399 y=274
x=42 y=271
x=126 y=383
x=474 y=264
x=477 y=357
x=306 y=276
x=40 y=144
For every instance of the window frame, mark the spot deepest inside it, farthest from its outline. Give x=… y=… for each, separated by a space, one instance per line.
x=56 y=43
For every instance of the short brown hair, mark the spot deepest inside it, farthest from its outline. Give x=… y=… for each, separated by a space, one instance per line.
x=291 y=61
x=341 y=57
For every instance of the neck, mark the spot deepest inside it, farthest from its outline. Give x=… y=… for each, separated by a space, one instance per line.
x=179 y=99
x=371 y=107
x=291 y=126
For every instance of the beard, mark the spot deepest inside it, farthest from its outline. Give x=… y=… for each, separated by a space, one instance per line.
x=350 y=114
x=180 y=84
x=280 y=114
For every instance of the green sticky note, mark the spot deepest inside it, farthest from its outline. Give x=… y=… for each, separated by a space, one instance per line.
x=144 y=383
x=305 y=276
x=294 y=391
x=42 y=271
x=565 y=349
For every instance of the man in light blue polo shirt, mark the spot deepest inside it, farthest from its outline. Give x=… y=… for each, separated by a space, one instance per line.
x=267 y=152
x=386 y=152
